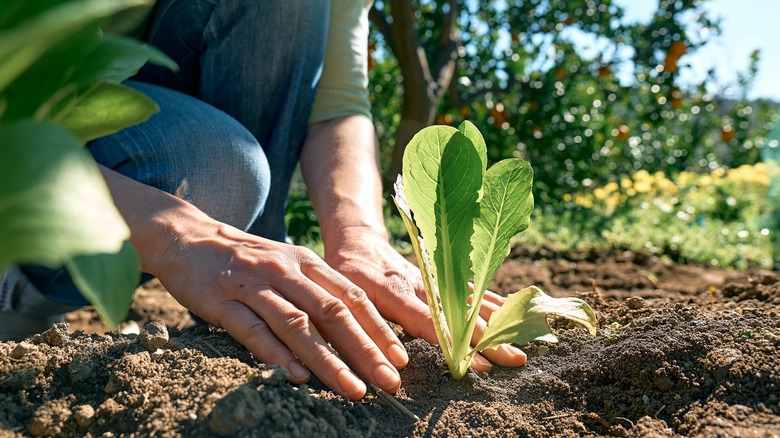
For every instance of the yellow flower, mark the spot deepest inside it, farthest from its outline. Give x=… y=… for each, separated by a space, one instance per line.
x=643 y=186
x=684 y=178
x=626 y=183
x=611 y=187
x=641 y=175
x=583 y=201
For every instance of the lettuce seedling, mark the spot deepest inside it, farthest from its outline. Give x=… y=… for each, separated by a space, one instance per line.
x=460 y=218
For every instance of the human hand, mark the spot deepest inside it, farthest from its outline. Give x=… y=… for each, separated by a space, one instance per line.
x=395 y=287
x=285 y=305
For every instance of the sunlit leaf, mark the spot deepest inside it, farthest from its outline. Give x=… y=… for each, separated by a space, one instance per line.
x=53 y=203
x=443 y=174
x=523 y=318
x=106 y=109
x=505 y=210
x=108 y=281
x=426 y=269
x=25 y=42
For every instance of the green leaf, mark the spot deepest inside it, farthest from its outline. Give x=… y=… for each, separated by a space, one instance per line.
x=442 y=178
x=505 y=210
x=108 y=281
x=523 y=318
x=47 y=82
x=106 y=109
x=54 y=204
x=116 y=59
x=60 y=78
x=26 y=42
x=426 y=269
x=472 y=133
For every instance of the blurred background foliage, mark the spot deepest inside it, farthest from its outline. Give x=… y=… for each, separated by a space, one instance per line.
x=591 y=101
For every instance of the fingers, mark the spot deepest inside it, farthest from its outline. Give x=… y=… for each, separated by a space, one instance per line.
x=293 y=327
x=361 y=308
x=395 y=294
x=334 y=318
x=487 y=309
x=251 y=331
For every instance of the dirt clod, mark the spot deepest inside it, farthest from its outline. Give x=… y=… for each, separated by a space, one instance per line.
x=635 y=303
x=154 y=336
x=83 y=414
x=57 y=335
x=21 y=349
x=240 y=410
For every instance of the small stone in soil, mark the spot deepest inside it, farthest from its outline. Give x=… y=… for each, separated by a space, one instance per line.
x=21 y=349
x=81 y=369
x=83 y=414
x=154 y=336
x=635 y=303
x=272 y=375
x=56 y=335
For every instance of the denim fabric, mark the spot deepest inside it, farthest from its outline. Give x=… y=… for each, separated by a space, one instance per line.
x=258 y=61
x=256 y=66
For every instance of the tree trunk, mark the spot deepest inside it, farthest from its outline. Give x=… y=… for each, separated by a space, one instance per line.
x=423 y=87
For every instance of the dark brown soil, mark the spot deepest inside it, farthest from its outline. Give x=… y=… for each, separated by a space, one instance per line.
x=681 y=351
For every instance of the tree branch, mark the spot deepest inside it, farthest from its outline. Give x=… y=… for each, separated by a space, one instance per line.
x=379 y=19
x=447 y=53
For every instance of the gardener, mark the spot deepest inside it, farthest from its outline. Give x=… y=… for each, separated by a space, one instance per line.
x=203 y=186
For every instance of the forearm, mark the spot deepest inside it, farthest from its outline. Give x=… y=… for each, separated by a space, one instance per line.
x=156 y=219
x=340 y=165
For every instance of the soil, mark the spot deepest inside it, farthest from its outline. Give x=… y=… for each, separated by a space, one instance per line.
x=681 y=351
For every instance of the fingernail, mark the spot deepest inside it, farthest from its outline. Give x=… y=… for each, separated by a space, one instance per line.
x=397 y=355
x=512 y=350
x=350 y=384
x=298 y=371
x=386 y=378
x=481 y=361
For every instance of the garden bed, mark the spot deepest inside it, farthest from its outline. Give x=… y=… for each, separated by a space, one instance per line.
x=681 y=350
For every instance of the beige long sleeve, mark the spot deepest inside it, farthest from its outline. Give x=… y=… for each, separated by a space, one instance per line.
x=343 y=87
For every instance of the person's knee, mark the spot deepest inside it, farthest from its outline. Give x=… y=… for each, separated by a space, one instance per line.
x=234 y=184
x=194 y=151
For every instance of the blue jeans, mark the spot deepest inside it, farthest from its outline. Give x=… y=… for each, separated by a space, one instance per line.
x=232 y=121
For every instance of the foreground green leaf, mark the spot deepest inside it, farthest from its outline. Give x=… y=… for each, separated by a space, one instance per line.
x=116 y=59
x=84 y=59
x=53 y=203
x=25 y=42
x=106 y=109
x=108 y=281
x=523 y=318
